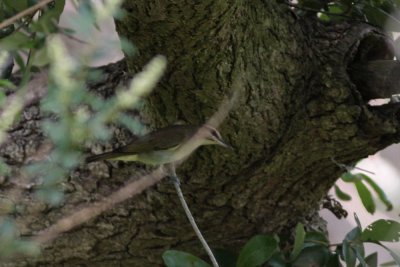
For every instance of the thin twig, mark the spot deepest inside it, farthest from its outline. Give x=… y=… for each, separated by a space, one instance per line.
x=349 y=168
x=194 y=225
x=353 y=242
x=26 y=22
x=77 y=218
x=364 y=170
x=24 y=13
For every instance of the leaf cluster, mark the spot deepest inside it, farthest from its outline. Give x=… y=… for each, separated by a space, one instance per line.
x=309 y=249
x=26 y=37
x=72 y=114
x=376 y=12
x=361 y=181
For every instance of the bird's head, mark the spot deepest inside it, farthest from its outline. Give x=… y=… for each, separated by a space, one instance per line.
x=212 y=136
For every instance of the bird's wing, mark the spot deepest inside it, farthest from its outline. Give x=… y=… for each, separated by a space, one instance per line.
x=167 y=138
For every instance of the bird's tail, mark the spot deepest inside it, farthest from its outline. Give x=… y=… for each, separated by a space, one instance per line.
x=108 y=155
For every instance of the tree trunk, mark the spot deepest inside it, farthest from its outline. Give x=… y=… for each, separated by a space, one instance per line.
x=298 y=108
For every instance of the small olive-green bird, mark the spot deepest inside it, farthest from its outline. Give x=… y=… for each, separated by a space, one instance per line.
x=160 y=147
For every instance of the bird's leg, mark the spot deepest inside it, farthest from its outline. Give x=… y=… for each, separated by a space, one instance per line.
x=169 y=169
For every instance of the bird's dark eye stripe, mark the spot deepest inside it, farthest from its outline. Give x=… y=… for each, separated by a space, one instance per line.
x=215 y=134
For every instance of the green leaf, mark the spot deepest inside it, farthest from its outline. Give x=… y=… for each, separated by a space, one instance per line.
x=127 y=47
x=382 y=230
x=277 y=260
x=348 y=254
x=394 y=255
x=334 y=261
x=371 y=260
x=6 y=31
x=41 y=59
x=381 y=194
x=257 y=251
x=380 y=13
x=357 y=221
x=44 y=24
x=312 y=256
x=30 y=248
x=7 y=66
x=16 y=41
x=335 y=9
x=366 y=197
x=18 y=5
x=58 y=9
x=68 y=30
x=315 y=236
x=47 y=22
x=51 y=196
x=298 y=240
x=349 y=177
x=133 y=124
x=86 y=18
x=360 y=258
x=174 y=258
x=374 y=15
x=225 y=258
x=390 y=263
x=324 y=17
x=2 y=17
x=354 y=234
x=313 y=4
x=32 y=2
x=352 y=245
x=341 y=195
x=339 y=251
x=6 y=83
x=56 y=131
x=355 y=237
x=20 y=62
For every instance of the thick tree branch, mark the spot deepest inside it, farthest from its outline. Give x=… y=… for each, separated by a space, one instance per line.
x=377 y=78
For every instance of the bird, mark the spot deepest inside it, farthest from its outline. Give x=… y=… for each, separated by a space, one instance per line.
x=161 y=147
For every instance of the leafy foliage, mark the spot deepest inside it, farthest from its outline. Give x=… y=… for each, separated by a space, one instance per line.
x=173 y=258
x=257 y=251
x=28 y=34
x=10 y=244
x=73 y=115
x=382 y=230
x=298 y=241
x=359 y=180
x=309 y=249
x=374 y=12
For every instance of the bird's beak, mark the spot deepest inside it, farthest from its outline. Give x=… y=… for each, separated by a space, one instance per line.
x=222 y=143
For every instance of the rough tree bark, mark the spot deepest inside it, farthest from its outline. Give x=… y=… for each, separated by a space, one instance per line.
x=298 y=109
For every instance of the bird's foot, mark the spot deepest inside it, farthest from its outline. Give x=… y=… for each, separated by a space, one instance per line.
x=175 y=179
